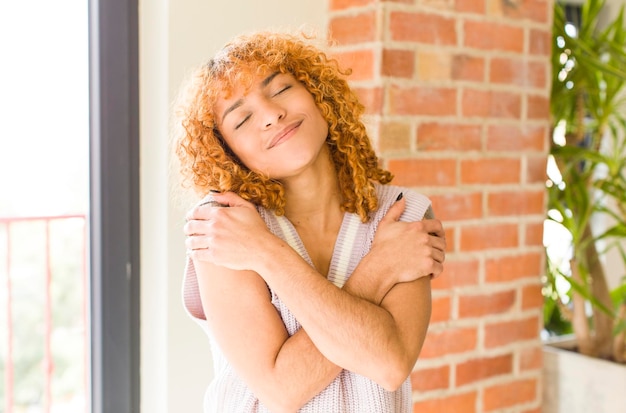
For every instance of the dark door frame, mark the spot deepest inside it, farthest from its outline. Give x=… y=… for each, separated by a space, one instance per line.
x=114 y=198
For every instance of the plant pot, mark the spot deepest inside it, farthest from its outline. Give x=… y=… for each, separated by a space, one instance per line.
x=573 y=383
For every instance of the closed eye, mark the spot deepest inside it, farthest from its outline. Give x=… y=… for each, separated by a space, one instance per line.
x=242 y=122
x=282 y=90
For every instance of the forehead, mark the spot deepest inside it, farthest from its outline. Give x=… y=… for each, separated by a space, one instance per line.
x=241 y=79
x=233 y=91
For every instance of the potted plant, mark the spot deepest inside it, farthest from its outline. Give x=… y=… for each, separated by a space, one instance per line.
x=587 y=185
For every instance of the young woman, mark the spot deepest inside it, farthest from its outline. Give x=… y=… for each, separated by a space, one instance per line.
x=310 y=274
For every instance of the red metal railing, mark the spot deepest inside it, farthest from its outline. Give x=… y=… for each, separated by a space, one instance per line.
x=28 y=241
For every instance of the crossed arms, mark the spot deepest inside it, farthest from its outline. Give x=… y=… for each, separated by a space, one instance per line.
x=374 y=326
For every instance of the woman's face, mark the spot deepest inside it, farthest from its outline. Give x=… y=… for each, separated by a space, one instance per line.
x=275 y=127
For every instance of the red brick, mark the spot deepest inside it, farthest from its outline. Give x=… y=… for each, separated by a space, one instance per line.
x=519 y=72
x=532 y=298
x=536 y=169
x=439 y=4
x=394 y=136
x=471 y=6
x=439 y=101
x=538 y=74
x=433 y=66
x=436 y=136
x=457 y=274
x=508 y=71
x=511 y=268
x=508 y=332
x=534 y=234
x=533 y=10
x=360 y=61
x=489 y=236
x=450 y=341
x=490 y=171
x=371 y=98
x=531 y=358
x=353 y=29
x=450 y=235
x=346 y=4
x=479 y=305
x=454 y=403
x=398 y=63
x=470 y=68
x=441 y=309
x=538 y=107
x=423 y=172
x=430 y=379
x=497 y=104
x=458 y=206
x=501 y=396
x=422 y=28
x=514 y=203
x=479 y=369
x=517 y=138
x=540 y=42
x=493 y=36
x=481 y=123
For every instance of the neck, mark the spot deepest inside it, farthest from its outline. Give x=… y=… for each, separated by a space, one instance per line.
x=314 y=199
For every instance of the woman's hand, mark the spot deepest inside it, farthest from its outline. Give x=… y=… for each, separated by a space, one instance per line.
x=231 y=236
x=413 y=249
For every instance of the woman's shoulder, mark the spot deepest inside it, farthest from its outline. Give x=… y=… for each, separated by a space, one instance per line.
x=418 y=205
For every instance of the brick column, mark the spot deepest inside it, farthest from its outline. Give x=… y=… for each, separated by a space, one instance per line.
x=457 y=94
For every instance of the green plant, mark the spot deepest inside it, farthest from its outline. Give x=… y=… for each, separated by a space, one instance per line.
x=587 y=106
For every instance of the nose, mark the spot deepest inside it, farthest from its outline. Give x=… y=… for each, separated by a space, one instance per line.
x=272 y=113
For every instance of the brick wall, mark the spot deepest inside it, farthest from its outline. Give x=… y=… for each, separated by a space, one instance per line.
x=457 y=93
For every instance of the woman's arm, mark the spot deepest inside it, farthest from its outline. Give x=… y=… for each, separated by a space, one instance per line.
x=381 y=342
x=285 y=372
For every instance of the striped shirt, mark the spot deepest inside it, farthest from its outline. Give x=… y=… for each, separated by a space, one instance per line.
x=349 y=392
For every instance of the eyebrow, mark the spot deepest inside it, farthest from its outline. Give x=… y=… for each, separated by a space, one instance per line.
x=269 y=79
x=239 y=102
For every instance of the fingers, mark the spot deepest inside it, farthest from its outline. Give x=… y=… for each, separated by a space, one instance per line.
x=433 y=226
x=231 y=199
x=196 y=242
x=437 y=269
x=395 y=211
x=193 y=227
x=438 y=245
x=434 y=262
x=199 y=212
x=227 y=199
x=218 y=217
x=438 y=253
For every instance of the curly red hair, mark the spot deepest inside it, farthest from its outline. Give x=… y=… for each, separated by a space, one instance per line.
x=209 y=163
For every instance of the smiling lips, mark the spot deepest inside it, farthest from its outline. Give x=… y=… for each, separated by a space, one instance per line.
x=284 y=134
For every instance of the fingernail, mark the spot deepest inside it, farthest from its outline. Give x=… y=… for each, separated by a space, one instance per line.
x=399 y=197
x=212 y=203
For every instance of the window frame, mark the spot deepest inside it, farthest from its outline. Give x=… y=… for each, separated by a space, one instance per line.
x=114 y=205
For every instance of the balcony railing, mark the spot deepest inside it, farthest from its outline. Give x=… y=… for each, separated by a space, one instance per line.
x=44 y=294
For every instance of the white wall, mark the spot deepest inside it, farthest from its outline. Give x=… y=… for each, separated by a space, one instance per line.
x=175 y=36
x=610 y=11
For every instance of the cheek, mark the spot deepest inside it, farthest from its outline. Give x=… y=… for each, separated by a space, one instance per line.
x=246 y=151
x=238 y=144
x=233 y=147
x=323 y=126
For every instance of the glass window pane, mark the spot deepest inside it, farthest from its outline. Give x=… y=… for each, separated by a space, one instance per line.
x=44 y=201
